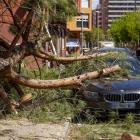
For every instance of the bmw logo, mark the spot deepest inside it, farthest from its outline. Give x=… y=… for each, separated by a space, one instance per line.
x=122 y=90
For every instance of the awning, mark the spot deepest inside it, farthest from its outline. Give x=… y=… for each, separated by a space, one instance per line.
x=72 y=44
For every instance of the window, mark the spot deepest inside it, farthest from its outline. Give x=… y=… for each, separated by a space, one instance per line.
x=85 y=21
x=85 y=3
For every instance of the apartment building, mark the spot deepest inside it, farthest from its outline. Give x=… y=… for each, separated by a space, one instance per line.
x=94 y=17
x=74 y=26
x=112 y=9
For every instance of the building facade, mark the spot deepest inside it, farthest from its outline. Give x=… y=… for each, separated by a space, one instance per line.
x=112 y=9
x=74 y=27
x=94 y=17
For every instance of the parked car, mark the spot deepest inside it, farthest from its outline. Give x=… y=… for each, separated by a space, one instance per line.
x=109 y=94
x=113 y=49
x=85 y=49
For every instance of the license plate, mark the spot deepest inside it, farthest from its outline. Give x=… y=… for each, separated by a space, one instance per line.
x=122 y=105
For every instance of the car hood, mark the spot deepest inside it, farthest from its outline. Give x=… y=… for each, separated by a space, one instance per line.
x=124 y=84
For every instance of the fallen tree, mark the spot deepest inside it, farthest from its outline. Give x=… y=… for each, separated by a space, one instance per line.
x=14 y=54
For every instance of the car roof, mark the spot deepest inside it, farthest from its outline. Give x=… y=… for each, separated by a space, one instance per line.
x=115 y=49
x=126 y=58
x=129 y=58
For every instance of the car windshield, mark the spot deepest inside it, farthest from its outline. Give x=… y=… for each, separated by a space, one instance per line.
x=133 y=66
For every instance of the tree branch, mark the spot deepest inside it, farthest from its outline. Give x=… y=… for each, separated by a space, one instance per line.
x=66 y=82
x=38 y=66
x=20 y=32
x=27 y=31
x=17 y=87
x=8 y=7
x=42 y=22
x=49 y=56
x=5 y=99
x=4 y=44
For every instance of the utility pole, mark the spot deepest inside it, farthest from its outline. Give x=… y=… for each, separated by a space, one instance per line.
x=98 y=27
x=82 y=13
x=135 y=5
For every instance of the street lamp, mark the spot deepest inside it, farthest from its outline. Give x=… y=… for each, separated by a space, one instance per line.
x=98 y=28
x=109 y=6
x=82 y=13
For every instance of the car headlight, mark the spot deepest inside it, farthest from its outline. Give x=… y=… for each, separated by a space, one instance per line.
x=91 y=94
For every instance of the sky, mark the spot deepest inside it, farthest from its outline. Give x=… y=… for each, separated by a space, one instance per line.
x=94 y=3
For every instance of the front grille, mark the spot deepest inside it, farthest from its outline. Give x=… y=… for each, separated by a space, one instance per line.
x=131 y=97
x=112 y=97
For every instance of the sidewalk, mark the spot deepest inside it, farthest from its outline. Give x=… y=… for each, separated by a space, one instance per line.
x=26 y=130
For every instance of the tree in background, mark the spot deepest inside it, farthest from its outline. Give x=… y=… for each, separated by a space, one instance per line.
x=126 y=29
x=92 y=36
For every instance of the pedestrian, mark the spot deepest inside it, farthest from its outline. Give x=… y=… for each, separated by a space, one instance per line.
x=138 y=51
x=67 y=54
x=83 y=51
x=50 y=62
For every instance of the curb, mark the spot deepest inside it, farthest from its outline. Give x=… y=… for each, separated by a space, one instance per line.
x=65 y=132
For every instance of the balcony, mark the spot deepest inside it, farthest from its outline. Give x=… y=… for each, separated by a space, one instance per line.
x=123 y=6
x=120 y=11
x=115 y=15
x=118 y=1
x=109 y=20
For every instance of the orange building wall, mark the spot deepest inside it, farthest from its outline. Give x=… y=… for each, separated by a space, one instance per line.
x=71 y=25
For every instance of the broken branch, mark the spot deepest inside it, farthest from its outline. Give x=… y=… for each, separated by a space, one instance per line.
x=66 y=82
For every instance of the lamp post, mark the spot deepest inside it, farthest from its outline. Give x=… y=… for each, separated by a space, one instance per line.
x=109 y=6
x=98 y=28
x=82 y=13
